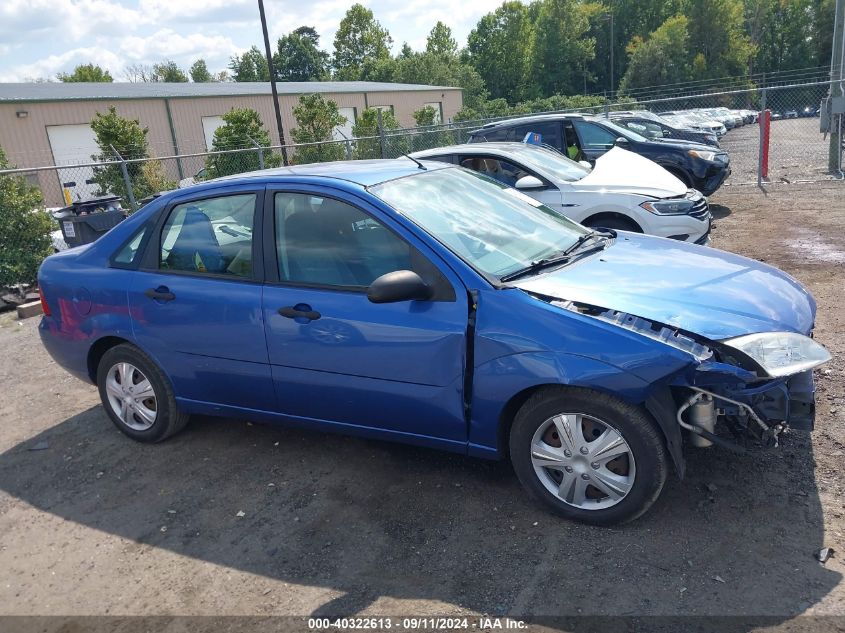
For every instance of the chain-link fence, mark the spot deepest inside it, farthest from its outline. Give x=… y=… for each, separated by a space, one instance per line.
x=771 y=134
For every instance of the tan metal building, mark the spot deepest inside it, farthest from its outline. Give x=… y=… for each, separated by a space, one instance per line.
x=48 y=123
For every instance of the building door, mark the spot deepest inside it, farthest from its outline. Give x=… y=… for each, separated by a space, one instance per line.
x=74 y=145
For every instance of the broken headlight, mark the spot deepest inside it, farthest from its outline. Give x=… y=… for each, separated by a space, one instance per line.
x=781 y=353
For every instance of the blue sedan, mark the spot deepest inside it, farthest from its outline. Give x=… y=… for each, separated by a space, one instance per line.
x=427 y=304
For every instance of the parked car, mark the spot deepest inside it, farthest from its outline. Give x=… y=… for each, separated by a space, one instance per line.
x=584 y=137
x=624 y=191
x=696 y=121
x=424 y=303
x=790 y=114
x=652 y=129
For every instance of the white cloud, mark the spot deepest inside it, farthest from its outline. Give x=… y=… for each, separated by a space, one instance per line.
x=39 y=38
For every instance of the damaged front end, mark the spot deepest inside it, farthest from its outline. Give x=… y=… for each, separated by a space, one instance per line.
x=755 y=386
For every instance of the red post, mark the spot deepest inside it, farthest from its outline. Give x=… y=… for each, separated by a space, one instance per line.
x=766 y=123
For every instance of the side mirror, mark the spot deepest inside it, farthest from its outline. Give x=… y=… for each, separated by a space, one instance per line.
x=400 y=285
x=529 y=182
x=621 y=142
x=584 y=163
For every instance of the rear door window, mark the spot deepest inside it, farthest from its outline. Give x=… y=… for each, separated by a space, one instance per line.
x=210 y=236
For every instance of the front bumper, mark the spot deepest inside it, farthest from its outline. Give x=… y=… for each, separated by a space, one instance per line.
x=714 y=179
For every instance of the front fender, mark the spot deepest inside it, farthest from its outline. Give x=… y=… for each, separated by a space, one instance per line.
x=498 y=382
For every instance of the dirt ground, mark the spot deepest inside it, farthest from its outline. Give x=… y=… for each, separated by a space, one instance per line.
x=96 y=524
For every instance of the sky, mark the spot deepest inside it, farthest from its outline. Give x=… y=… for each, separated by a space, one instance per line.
x=40 y=38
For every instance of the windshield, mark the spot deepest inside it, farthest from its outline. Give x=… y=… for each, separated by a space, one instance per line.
x=621 y=131
x=494 y=229
x=547 y=161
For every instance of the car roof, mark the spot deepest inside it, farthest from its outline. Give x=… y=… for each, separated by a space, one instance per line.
x=535 y=118
x=501 y=147
x=361 y=172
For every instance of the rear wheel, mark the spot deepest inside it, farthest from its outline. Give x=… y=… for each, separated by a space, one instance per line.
x=137 y=396
x=587 y=455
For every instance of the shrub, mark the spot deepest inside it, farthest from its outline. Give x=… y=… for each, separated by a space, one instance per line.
x=25 y=229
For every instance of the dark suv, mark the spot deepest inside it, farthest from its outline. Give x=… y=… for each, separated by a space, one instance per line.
x=585 y=137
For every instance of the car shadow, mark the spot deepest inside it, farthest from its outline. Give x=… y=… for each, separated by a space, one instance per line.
x=372 y=519
x=719 y=211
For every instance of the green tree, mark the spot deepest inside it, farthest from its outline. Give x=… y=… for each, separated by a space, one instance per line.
x=784 y=34
x=126 y=136
x=367 y=126
x=661 y=60
x=559 y=47
x=717 y=33
x=242 y=128
x=440 y=41
x=631 y=18
x=86 y=72
x=359 y=44
x=498 y=49
x=434 y=70
x=199 y=72
x=299 y=58
x=24 y=229
x=251 y=66
x=168 y=72
x=316 y=118
x=426 y=115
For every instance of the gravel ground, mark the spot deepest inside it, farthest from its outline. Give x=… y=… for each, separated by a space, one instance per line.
x=797 y=152
x=96 y=524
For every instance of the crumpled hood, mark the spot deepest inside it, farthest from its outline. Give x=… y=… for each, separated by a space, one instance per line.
x=709 y=292
x=626 y=172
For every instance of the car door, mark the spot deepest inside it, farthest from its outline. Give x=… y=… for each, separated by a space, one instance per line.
x=195 y=300
x=336 y=357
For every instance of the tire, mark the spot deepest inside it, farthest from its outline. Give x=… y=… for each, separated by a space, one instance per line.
x=621 y=488
x=610 y=222
x=150 y=414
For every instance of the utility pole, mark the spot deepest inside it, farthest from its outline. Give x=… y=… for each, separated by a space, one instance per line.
x=609 y=16
x=837 y=89
x=273 y=82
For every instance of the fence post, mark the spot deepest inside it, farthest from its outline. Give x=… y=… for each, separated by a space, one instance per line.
x=127 y=182
x=763 y=151
x=381 y=139
x=260 y=152
x=348 y=149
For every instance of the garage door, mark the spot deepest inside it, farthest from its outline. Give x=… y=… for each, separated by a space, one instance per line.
x=209 y=126
x=74 y=145
x=344 y=130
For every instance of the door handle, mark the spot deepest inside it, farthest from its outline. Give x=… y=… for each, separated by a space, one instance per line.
x=291 y=312
x=162 y=293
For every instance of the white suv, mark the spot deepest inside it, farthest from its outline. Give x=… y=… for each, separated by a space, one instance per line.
x=624 y=191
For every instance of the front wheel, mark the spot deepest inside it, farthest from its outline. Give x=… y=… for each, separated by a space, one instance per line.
x=137 y=396
x=587 y=455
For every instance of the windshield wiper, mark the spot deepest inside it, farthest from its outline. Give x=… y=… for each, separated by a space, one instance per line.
x=561 y=258
x=583 y=240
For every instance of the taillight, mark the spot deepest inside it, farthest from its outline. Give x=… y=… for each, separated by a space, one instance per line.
x=44 y=305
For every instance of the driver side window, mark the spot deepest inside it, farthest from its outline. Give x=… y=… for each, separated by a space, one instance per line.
x=326 y=242
x=594 y=136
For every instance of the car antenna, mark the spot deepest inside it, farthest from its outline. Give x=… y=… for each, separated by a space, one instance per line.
x=423 y=167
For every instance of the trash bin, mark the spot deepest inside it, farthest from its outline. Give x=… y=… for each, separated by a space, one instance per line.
x=84 y=222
